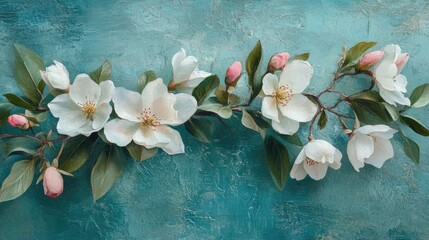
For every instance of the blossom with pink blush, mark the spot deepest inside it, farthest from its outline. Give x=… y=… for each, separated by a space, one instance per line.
x=371 y=58
x=278 y=61
x=401 y=61
x=52 y=182
x=18 y=121
x=233 y=73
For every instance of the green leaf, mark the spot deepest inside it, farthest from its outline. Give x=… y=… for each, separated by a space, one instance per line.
x=293 y=139
x=367 y=95
x=76 y=152
x=140 y=153
x=20 y=145
x=415 y=125
x=420 y=96
x=103 y=73
x=41 y=86
x=411 y=148
x=106 y=170
x=38 y=117
x=20 y=178
x=252 y=63
x=5 y=109
x=303 y=57
x=205 y=89
x=393 y=112
x=144 y=79
x=200 y=128
x=278 y=161
x=323 y=119
x=356 y=51
x=27 y=72
x=219 y=109
x=222 y=95
x=254 y=121
x=19 y=101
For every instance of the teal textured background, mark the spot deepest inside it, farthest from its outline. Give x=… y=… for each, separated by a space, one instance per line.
x=222 y=190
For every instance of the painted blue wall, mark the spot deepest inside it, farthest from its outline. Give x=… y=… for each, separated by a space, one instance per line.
x=222 y=190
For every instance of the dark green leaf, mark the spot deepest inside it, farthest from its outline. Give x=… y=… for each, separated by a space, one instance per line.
x=41 y=86
x=20 y=178
x=356 y=51
x=411 y=148
x=293 y=139
x=203 y=91
x=415 y=125
x=252 y=63
x=323 y=119
x=254 y=121
x=27 y=72
x=5 y=109
x=278 y=161
x=140 y=153
x=201 y=128
x=107 y=170
x=144 y=79
x=222 y=95
x=19 y=102
x=393 y=112
x=103 y=73
x=420 y=96
x=367 y=95
x=76 y=152
x=20 y=145
x=303 y=57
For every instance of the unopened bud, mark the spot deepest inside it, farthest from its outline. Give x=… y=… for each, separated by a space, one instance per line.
x=371 y=58
x=19 y=121
x=233 y=74
x=278 y=61
x=52 y=182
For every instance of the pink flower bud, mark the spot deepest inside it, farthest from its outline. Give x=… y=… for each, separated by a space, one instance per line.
x=279 y=61
x=233 y=73
x=401 y=61
x=19 y=121
x=371 y=58
x=52 y=182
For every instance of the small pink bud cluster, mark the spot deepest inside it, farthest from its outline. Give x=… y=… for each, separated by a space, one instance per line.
x=233 y=74
x=52 y=182
x=371 y=58
x=19 y=121
x=278 y=61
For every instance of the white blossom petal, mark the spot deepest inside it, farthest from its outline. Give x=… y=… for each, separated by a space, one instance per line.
x=285 y=125
x=296 y=75
x=298 y=172
x=186 y=106
x=63 y=106
x=128 y=104
x=150 y=137
x=320 y=151
x=353 y=154
x=84 y=89
x=393 y=97
x=337 y=160
x=154 y=90
x=364 y=146
x=269 y=108
x=316 y=171
x=184 y=69
x=383 y=151
x=120 y=132
x=175 y=146
x=384 y=73
x=299 y=108
x=401 y=83
x=178 y=58
x=107 y=90
x=270 y=84
x=101 y=116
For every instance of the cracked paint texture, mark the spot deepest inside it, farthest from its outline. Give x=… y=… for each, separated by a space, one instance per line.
x=222 y=190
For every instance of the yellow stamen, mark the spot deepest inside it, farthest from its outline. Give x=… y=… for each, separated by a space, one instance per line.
x=88 y=108
x=147 y=119
x=283 y=95
x=311 y=162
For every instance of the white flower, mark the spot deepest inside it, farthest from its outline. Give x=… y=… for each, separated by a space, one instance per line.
x=284 y=104
x=186 y=75
x=56 y=77
x=370 y=144
x=85 y=108
x=145 y=117
x=387 y=73
x=314 y=160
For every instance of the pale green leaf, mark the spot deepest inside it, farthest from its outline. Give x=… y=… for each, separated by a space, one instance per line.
x=253 y=62
x=20 y=178
x=420 y=96
x=205 y=89
x=140 y=153
x=201 y=128
x=415 y=125
x=278 y=161
x=75 y=153
x=323 y=119
x=103 y=73
x=19 y=101
x=411 y=148
x=144 y=79
x=357 y=51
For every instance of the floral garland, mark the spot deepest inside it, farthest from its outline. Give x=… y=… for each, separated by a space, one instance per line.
x=138 y=123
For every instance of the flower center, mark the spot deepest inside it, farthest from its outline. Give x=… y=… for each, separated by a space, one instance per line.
x=88 y=108
x=283 y=95
x=311 y=162
x=148 y=119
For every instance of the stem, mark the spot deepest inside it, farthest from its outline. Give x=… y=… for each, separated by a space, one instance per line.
x=23 y=136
